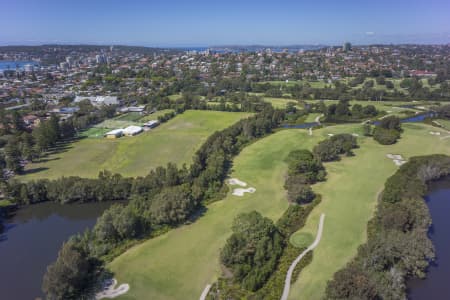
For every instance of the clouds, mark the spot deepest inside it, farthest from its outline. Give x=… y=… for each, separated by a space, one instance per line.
x=370 y=33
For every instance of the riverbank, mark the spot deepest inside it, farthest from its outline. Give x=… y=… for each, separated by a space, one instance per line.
x=435 y=285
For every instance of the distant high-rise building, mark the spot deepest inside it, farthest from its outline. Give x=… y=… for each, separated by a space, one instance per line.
x=70 y=61
x=347 y=47
x=63 y=65
x=101 y=59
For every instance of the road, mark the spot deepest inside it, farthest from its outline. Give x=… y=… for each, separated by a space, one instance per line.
x=287 y=282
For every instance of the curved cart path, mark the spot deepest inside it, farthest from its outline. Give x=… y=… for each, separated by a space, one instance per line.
x=317 y=120
x=205 y=292
x=287 y=282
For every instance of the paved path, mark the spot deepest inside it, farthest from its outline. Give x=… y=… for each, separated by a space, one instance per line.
x=287 y=282
x=317 y=120
x=205 y=292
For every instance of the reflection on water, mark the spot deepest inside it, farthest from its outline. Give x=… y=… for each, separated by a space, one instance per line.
x=437 y=284
x=31 y=242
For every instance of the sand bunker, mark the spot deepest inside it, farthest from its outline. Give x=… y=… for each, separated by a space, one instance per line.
x=235 y=181
x=397 y=159
x=109 y=290
x=435 y=133
x=240 y=192
x=355 y=134
x=330 y=134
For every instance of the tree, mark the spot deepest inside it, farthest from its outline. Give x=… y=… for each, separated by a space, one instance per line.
x=300 y=193
x=388 y=131
x=73 y=276
x=17 y=121
x=385 y=136
x=367 y=129
x=351 y=283
x=252 y=251
x=13 y=155
x=391 y=122
x=342 y=108
x=330 y=149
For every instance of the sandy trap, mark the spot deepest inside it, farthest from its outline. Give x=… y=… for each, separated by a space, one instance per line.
x=235 y=181
x=239 y=191
x=109 y=290
x=396 y=158
x=435 y=133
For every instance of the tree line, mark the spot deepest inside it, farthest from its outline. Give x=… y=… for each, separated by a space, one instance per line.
x=344 y=112
x=387 y=131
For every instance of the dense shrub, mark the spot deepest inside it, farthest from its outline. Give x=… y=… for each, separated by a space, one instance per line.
x=303 y=169
x=331 y=148
x=387 y=132
x=385 y=136
x=252 y=251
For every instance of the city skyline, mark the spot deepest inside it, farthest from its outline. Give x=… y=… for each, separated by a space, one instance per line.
x=201 y=23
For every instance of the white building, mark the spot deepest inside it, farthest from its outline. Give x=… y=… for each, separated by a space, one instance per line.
x=132 y=130
x=99 y=100
x=113 y=134
x=151 y=124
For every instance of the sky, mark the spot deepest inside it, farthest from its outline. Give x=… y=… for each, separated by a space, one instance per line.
x=180 y=23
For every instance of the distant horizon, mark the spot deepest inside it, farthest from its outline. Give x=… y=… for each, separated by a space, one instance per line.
x=181 y=46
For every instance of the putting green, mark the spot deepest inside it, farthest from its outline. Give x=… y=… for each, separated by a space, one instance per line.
x=174 y=141
x=301 y=239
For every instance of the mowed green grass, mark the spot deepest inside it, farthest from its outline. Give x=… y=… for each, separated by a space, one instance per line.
x=281 y=102
x=174 y=141
x=349 y=199
x=179 y=264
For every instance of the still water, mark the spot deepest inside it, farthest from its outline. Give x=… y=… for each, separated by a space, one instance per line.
x=13 y=65
x=436 y=286
x=31 y=242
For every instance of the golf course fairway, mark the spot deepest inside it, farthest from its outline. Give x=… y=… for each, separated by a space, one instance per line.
x=174 y=141
x=180 y=263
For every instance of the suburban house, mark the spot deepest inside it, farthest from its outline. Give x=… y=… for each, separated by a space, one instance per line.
x=31 y=120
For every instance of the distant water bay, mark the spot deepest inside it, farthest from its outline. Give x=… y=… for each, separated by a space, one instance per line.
x=13 y=65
